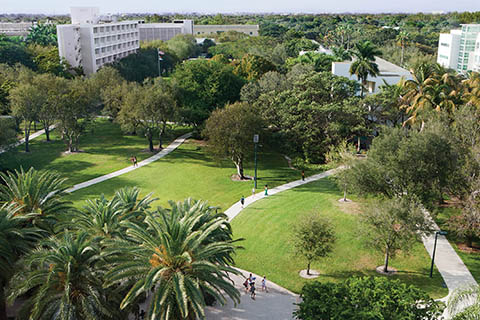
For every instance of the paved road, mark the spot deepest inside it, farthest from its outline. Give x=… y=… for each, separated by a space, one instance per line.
x=175 y=144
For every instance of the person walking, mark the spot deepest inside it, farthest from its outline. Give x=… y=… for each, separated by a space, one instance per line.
x=266 y=190
x=245 y=284
x=252 y=290
x=135 y=163
x=303 y=175
x=264 y=284
x=253 y=192
x=132 y=158
x=242 y=201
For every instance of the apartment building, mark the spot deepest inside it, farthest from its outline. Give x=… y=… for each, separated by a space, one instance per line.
x=460 y=49
x=91 y=42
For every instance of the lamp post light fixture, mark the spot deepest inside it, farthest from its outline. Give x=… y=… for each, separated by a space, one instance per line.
x=442 y=233
x=255 y=142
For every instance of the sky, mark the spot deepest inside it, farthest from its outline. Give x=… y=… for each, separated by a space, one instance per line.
x=240 y=6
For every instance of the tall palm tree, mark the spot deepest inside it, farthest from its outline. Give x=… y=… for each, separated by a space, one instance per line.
x=464 y=304
x=417 y=99
x=472 y=89
x=173 y=258
x=35 y=191
x=64 y=280
x=402 y=38
x=15 y=240
x=364 y=62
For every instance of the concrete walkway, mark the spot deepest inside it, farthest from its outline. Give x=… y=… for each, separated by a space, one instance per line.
x=32 y=136
x=278 y=303
x=449 y=264
x=175 y=144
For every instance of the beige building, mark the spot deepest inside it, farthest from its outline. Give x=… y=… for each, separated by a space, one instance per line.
x=16 y=28
x=164 y=31
x=250 y=29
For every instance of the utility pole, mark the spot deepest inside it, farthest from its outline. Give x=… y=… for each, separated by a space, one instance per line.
x=255 y=142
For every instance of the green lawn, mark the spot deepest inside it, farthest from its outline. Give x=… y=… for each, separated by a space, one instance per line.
x=190 y=172
x=471 y=260
x=266 y=226
x=104 y=149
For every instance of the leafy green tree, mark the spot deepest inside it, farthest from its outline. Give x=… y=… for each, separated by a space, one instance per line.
x=415 y=163
x=364 y=62
x=203 y=87
x=47 y=60
x=8 y=134
x=271 y=82
x=52 y=87
x=320 y=61
x=184 y=46
x=252 y=67
x=74 y=110
x=149 y=108
x=15 y=240
x=13 y=52
x=313 y=238
x=32 y=191
x=365 y=299
x=342 y=156
x=464 y=303
x=230 y=133
x=64 y=280
x=394 y=225
x=26 y=101
x=175 y=260
x=43 y=34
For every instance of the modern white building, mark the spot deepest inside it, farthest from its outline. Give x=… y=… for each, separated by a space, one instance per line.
x=164 y=31
x=16 y=28
x=202 y=30
x=90 y=42
x=389 y=73
x=460 y=49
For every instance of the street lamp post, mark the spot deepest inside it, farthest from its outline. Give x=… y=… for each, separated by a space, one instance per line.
x=255 y=142
x=442 y=233
x=160 y=53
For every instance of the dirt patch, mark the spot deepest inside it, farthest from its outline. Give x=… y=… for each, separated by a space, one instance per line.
x=350 y=207
x=390 y=271
x=464 y=248
x=200 y=143
x=68 y=153
x=364 y=262
x=236 y=177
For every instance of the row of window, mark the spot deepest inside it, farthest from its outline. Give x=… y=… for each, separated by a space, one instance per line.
x=132 y=26
x=113 y=57
x=114 y=47
x=107 y=39
x=444 y=44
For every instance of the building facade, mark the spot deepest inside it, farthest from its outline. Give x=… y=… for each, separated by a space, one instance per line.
x=460 y=49
x=164 y=31
x=16 y=28
x=91 y=43
x=203 y=30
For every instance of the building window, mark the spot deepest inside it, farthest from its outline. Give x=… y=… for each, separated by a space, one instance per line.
x=95 y=30
x=443 y=44
x=443 y=56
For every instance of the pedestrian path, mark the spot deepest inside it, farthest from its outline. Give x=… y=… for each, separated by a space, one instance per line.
x=175 y=144
x=22 y=141
x=278 y=303
x=454 y=272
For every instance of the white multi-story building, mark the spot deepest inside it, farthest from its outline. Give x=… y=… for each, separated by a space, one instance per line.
x=90 y=43
x=460 y=49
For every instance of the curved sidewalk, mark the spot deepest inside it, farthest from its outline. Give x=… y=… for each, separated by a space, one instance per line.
x=172 y=146
x=32 y=136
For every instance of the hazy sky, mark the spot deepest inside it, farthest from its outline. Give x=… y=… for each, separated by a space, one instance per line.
x=229 y=6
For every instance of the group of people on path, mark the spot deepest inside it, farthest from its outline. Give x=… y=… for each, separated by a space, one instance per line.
x=249 y=285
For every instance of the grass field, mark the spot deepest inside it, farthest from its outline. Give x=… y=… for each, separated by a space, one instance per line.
x=104 y=149
x=266 y=226
x=471 y=259
x=190 y=172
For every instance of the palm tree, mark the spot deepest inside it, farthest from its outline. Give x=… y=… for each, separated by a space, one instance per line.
x=35 y=191
x=340 y=54
x=65 y=282
x=472 y=89
x=364 y=62
x=15 y=240
x=129 y=201
x=464 y=304
x=418 y=99
x=402 y=39
x=174 y=258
